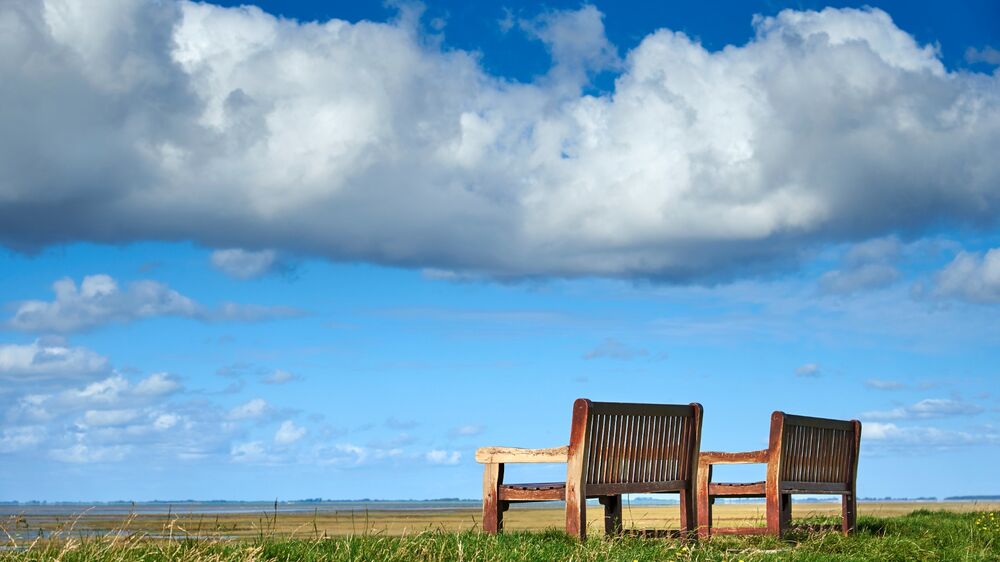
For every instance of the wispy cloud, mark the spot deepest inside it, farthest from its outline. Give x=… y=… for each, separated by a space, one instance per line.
x=971 y=277
x=247 y=264
x=880 y=384
x=881 y=436
x=808 y=370
x=611 y=348
x=868 y=265
x=927 y=408
x=987 y=54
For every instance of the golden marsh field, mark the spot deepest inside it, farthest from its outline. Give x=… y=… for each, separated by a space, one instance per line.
x=181 y=522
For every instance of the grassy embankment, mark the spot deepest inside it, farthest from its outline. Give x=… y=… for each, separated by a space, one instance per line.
x=920 y=535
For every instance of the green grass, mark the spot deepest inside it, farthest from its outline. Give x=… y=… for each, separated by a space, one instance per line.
x=921 y=535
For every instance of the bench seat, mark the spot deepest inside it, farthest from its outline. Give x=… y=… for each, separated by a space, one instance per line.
x=532 y=491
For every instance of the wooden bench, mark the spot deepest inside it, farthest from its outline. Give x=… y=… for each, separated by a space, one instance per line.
x=804 y=456
x=614 y=449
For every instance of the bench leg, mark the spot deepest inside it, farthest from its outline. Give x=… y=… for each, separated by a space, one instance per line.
x=704 y=510
x=493 y=508
x=576 y=516
x=612 y=514
x=849 y=508
x=778 y=510
x=689 y=522
x=786 y=512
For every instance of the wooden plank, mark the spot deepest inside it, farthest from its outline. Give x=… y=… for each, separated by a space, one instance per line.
x=629 y=409
x=772 y=494
x=618 y=488
x=576 y=467
x=746 y=490
x=739 y=530
x=516 y=455
x=743 y=457
x=510 y=493
x=792 y=487
x=826 y=423
x=689 y=514
x=492 y=511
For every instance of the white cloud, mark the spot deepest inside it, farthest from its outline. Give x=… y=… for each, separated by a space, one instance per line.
x=157 y=384
x=807 y=370
x=367 y=141
x=350 y=455
x=83 y=454
x=166 y=421
x=249 y=452
x=252 y=409
x=439 y=456
x=44 y=360
x=99 y=301
x=890 y=435
x=246 y=264
x=14 y=439
x=97 y=418
x=289 y=433
x=868 y=265
x=927 y=408
x=971 y=277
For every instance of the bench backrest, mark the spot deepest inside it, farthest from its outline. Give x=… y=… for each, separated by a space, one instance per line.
x=622 y=443
x=815 y=450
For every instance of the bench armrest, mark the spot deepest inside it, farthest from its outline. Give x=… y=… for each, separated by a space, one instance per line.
x=488 y=455
x=746 y=457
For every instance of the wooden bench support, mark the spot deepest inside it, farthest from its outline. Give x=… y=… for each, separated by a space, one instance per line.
x=612 y=514
x=804 y=456
x=614 y=449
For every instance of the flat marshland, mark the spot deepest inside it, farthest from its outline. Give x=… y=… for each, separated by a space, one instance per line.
x=887 y=531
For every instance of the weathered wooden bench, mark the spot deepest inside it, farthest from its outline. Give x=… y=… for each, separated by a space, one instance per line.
x=614 y=449
x=804 y=456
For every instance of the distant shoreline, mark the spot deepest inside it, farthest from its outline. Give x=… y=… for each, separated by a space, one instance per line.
x=158 y=507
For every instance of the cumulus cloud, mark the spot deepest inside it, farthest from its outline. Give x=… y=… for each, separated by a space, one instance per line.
x=971 y=277
x=246 y=264
x=365 y=141
x=927 y=408
x=115 y=418
x=611 y=348
x=46 y=359
x=99 y=301
x=288 y=433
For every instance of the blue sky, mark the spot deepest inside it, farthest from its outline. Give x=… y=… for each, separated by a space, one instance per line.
x=329 y=249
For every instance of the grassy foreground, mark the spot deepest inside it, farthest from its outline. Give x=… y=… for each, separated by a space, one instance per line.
x=921 y=535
